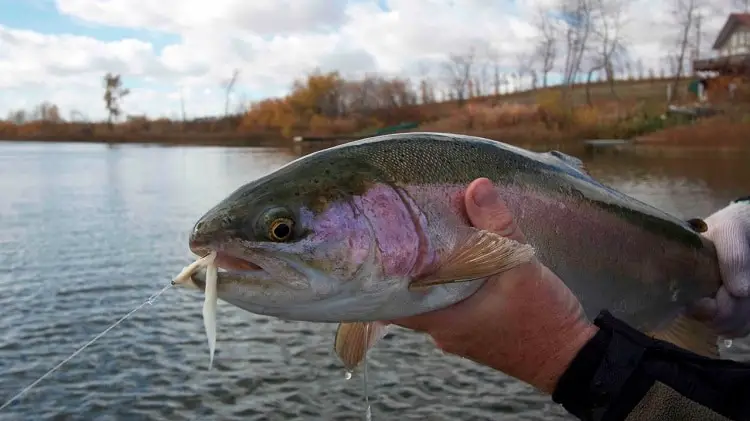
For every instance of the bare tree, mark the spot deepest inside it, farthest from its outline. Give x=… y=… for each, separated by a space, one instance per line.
x=46 y=112
x=578 y=24
x=545 y=50
x=607 y=44
x=459 y=72
x=182 y=106
x=496 y=76
x=228 y=86
x=426 y=84
x=685 y=13
x=482 y=79
x=525 y=67
x=18 y=116
x=113 y=94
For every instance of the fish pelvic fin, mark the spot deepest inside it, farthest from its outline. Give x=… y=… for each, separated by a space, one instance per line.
x=478 y=254
x=354 y=340
x=691 y=334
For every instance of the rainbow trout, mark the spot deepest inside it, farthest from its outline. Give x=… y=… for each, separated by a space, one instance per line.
x=376 y=230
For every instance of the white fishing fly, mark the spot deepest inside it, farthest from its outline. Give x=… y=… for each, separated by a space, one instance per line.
x=211 y=297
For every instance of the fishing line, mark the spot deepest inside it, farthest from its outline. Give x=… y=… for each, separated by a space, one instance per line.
x=148 y=301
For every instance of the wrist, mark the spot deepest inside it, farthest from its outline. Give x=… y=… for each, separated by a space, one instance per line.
x=564 y=348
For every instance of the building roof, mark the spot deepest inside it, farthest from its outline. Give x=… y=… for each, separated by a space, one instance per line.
x=733 y=21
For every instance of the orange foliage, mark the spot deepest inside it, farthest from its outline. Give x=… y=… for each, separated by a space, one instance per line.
x=327 y=104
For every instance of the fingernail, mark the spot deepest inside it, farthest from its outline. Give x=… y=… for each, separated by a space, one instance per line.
x=485 y=195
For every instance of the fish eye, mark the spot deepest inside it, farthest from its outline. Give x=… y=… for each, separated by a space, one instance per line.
x=281 y=229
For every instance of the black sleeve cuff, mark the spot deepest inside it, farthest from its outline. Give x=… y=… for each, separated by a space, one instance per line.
x=617 y=368
x=597 y=374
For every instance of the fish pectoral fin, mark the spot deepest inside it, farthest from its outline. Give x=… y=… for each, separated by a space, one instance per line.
x=479 y=254
x=354 y=340
x=691 y=334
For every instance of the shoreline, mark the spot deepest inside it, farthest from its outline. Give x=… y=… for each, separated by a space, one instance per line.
x=714 y=133
x=647 y=142
x=173 y=139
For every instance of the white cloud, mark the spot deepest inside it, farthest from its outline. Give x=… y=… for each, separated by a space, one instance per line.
x=273 y=43
x=258 y=17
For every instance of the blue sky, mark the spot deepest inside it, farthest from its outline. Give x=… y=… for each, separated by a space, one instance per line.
x=43 y=17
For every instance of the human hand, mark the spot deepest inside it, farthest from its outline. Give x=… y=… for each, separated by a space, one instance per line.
x=524 y=322
x=729 y=311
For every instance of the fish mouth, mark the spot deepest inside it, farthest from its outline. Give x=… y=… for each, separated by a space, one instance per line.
x=228 y=262
x=231 y=269
x=225 y=259
x=239 y=264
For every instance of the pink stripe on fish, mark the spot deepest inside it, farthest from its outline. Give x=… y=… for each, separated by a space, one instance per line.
x=397 y=235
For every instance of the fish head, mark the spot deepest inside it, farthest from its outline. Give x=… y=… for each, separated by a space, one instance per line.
x=292 y=239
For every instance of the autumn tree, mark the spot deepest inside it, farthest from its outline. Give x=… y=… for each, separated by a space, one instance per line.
x=323 y=99
x=113 y=94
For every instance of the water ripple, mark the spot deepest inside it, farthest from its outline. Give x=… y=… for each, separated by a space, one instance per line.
x=89 y=232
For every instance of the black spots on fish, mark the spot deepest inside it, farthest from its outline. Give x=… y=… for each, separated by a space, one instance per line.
x=698 y=225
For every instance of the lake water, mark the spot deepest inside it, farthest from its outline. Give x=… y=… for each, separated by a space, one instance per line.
x=88 y=232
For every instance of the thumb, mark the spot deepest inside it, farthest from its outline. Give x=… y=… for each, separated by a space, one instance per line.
x=486 y=210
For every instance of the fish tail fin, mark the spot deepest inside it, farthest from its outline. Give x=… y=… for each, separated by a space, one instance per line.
x=691 y=334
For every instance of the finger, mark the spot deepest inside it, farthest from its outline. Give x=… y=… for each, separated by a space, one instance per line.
x=733 y=316
x=704 y=309
x=486 y=210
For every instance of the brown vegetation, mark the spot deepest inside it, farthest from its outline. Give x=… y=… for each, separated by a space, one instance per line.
x=328 y=105
x=723 y=132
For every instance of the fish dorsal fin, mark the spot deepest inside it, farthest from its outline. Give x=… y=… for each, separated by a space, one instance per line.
x=691 y=334
x=354 y=340
x=570 y=161
x=478 y=254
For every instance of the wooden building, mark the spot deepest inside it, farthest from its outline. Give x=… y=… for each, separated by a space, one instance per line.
x=732 y=47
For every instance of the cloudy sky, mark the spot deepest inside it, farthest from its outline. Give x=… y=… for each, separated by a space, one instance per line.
x=58 y=50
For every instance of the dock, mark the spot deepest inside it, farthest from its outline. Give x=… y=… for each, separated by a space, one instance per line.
x=300 y=139
x=605 y=144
